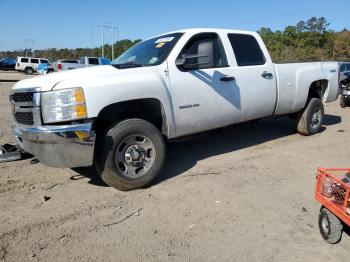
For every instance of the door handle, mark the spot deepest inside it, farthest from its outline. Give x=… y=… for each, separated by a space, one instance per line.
x=266 y=74
x=227 y=78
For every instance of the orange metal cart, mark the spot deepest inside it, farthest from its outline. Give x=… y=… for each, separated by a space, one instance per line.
x=332 y=191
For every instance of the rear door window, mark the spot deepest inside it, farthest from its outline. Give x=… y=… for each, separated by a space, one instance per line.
x=24 y=60
x=34 y=61
x=247 y=50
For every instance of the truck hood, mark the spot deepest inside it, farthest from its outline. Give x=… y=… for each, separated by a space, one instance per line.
x=48 y=82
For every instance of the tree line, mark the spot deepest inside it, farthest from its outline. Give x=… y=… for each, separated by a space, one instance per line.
x=54 y=54
x=309 y=40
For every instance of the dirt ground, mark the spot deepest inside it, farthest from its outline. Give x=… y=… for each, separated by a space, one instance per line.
x=241 y=194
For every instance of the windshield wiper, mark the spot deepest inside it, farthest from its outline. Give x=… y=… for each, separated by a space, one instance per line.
x=127 y=65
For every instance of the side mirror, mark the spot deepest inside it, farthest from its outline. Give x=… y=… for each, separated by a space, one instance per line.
x=203 y=59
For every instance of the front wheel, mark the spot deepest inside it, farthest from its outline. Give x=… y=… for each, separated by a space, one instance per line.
x=309 y=120
x=330 y=226
x=130 y=155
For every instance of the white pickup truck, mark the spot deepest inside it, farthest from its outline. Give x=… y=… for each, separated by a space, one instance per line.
x=85 y=61
x=118 y=117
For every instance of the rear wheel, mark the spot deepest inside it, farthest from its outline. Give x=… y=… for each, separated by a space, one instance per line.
x=309 y=120
x=344 y=101
x=130 y=155
x=330 y=226
x=28 y=71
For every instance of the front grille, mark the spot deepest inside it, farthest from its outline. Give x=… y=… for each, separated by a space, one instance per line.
x=24 y=118
x=22 y=97
x=24 y=106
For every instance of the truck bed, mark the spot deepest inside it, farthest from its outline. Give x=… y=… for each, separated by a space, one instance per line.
x=294 y=80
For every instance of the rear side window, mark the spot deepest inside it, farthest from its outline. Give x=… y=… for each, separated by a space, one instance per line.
x=34 y=61
x=246 y=49
x=93 y=61
x=24 y=60
x=43 y=61
x=347 y=67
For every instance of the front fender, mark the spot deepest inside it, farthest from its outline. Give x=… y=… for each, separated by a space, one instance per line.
x=124 y=85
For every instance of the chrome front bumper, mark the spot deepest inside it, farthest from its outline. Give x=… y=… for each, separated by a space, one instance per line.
x=58 y=146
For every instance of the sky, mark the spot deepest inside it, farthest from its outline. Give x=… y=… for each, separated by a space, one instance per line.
x=73 y=23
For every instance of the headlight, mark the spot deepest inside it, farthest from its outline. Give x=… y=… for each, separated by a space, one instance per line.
x=63 y=105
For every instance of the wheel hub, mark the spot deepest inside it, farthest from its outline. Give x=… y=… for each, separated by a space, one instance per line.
x=325 y=225
x=135 y=155
x=316 y=117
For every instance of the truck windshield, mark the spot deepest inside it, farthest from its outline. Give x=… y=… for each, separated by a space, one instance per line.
x=149 y=52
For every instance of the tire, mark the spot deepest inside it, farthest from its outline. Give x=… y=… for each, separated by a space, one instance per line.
x=310 y=119
x=130 y=155
x=28 y=71
x=330 y=226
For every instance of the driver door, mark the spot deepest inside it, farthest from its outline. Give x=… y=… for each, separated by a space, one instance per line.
x=205 y=95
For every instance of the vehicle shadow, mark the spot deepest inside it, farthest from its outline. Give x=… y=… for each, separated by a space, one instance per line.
x=330 y=120
x=182 y=156
x=184 y=153
x=90 y=173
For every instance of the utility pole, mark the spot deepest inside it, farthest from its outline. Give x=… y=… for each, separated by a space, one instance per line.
x=32 y=45
x=110 y=26
x=103 y=36
x=92 y=38
x=112 y=43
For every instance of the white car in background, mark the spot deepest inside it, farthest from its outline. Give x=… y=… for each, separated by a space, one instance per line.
x=29 y=65
x=85 y=61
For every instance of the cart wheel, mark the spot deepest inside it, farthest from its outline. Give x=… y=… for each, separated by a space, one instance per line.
x=330 y=226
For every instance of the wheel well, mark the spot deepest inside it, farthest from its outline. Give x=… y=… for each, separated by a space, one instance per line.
x=149 y=109
x=28 y=67
x=317 y=89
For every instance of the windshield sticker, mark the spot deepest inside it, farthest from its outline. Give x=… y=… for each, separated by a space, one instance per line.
x=160 y=45
x=165 y=39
